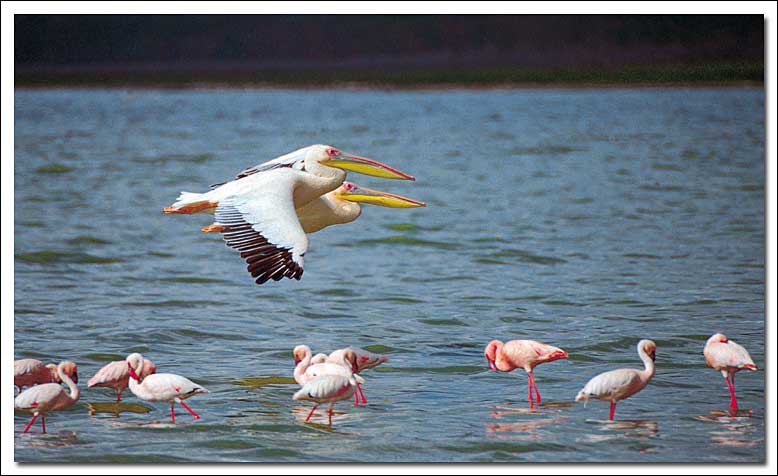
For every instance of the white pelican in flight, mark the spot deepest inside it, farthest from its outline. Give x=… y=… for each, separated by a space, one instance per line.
x=257 y=212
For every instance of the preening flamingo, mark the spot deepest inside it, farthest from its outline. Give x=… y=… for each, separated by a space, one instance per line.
x=728 y=358
x=29 y=372
x=619 y=384
x=256 y=212
x=170 y=388
x=116 y=375
x=328 y=388
x=364 y=360
x=48 y=397
x=522 y=354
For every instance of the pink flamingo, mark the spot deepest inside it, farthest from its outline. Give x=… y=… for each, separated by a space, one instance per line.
x=364 y=360
x=327 y=388
x=116 y=375
x=525 y=354
x=619 y=384
x=29 y=372
x=306 y=369
x=161 y=387
x=728 y=358
x=47 y=397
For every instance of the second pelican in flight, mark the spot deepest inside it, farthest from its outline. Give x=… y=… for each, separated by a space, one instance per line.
x=257 y=213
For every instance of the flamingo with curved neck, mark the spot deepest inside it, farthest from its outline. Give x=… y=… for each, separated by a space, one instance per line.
x=48 y=397
x=619 y=384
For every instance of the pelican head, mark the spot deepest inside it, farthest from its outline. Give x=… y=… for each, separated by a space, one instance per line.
x=354 y=193
x=329 y=156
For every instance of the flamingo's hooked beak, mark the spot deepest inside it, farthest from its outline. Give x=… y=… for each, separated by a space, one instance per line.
x=296 y=361
x=365 y=166
x=132 y=372
x=491 y=364
x=75 y=377
x=355 y=193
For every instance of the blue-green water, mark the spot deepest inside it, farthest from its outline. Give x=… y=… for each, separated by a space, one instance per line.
x=587 y=219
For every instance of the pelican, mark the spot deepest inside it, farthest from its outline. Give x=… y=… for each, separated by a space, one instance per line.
x=256 y=212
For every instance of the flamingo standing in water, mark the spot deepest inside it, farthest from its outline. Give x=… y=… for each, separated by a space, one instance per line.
x=523 y=354
x=256 y=212
x=161 y=387
x=619 y=384
x=116 y=375
x=364 y=360
x=29 y=372
x=47 y=397
x=728 y=358
x=327 y=388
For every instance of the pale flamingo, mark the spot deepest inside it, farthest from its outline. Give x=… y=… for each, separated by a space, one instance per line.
x=162 y=387
x=728 y=358
x=522 y=354
x=256 y=212
x=619 y=384
x=116 y=375
x=29 y=372
x=328 y=388
x=364 y=360
x=47 y=397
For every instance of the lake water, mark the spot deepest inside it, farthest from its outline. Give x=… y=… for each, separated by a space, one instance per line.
x=587 y=219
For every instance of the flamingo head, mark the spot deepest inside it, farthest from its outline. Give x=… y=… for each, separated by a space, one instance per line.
x=718 y=337
x=354 y=193
x=557 y=354
x=351 y=359
x=301 y=352
x=648 y=347
x=490 y=352
x=134 y=362
x=70 y=369
x=329 y=156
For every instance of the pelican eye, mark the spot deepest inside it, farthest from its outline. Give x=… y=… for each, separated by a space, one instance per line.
x=332 y=152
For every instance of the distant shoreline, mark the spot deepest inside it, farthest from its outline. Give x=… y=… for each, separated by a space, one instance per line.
x=499 y=77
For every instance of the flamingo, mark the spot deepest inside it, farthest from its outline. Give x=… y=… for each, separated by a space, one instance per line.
x=161 y=387
x=327 y=388
x=306 y=370
x=619 y=384
x=728 y=358
x=364 y=360
x=256 y=212
x=116 y=375
x=48 y=397
x=29 y=372
x=525 y=354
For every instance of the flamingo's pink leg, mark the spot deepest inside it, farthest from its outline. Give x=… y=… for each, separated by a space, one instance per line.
x=356 y=398
x=364 y=400
x=43 y=423
x=613 y=410
x=535 y=386
x=194 y=414
x=329 y=414
x=32 y=420
x=311 y=412
x=172 y=413
x=731 y=386
x=118 y=396
x=529 y=392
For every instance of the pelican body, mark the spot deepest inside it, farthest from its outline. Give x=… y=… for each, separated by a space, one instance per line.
x=617 y=385
x=48 y=397
x=29 y=372
x=523 y=354
x=170 y=388
x=728 y=358
x=256 y=212
x=116 y=375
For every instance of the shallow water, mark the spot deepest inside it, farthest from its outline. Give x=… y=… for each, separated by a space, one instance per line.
x=587 y=219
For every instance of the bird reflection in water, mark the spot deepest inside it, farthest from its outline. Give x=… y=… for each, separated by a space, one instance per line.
x=523 y=429
x=736 y=428
x=116 y=408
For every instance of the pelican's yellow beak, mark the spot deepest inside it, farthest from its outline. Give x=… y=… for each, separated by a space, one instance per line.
x=355 y=193
x=362 y=165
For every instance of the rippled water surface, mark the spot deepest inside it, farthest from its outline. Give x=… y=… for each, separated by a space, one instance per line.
x=583 y=218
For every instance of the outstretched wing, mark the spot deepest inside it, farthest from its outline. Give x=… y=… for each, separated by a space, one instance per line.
x=263 y=227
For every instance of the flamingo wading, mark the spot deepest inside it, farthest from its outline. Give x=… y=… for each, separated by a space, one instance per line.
x=256 y=212
x=523 y=354
x=170 y=388
x=619 y=384
x=116 y=375
x=728 y=358
x=47 y=397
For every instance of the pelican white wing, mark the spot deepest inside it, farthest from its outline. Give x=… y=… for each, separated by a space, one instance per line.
x=266 y=232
